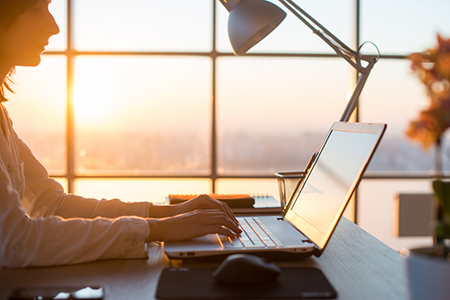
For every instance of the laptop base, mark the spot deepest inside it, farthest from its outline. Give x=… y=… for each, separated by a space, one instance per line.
x=272 y=255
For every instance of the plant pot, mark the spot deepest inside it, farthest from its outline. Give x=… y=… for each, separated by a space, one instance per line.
x=428 y=274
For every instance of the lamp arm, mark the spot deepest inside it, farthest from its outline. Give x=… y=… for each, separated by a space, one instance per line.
x=353 y=101
x=335 y=43
x=354 y=58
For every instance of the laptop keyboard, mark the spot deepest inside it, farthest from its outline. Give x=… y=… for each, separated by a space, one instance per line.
x=254 y=234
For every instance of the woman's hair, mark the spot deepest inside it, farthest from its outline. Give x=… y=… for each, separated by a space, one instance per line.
x=9 y=11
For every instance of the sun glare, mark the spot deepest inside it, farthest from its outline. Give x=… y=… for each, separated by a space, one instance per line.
x=93 y=94
x=91 y=105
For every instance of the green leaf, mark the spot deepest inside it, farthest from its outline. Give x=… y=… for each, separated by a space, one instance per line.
x=442 y=195
x=442 y=230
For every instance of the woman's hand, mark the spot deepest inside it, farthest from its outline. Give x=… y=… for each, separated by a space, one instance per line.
x=200 y=202
x=192 y=224
x=203 y=202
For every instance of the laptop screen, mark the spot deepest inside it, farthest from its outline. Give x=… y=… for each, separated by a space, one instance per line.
x=317 y=206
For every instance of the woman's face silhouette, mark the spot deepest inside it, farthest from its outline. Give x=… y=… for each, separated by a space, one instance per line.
x=23 y=41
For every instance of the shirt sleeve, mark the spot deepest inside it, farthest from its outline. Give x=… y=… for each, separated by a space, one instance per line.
x=43 y=226
x=26 y=241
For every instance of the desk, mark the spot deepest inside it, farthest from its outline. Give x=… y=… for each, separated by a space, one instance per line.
x=358 y=266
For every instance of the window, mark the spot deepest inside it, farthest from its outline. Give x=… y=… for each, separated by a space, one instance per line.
x=140 y=99
x=142 y=115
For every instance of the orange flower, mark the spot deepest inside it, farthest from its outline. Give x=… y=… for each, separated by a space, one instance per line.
x=433 y=69
x=443 y=58
x=427 y=129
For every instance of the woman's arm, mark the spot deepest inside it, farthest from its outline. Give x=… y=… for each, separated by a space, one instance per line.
x=26 y=241
x=45 y=197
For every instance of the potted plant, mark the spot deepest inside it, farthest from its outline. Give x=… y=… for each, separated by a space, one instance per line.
x=429 y=268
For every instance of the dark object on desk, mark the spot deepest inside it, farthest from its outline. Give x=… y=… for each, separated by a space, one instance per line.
x=198 y=283
x=233 y=200
x=246 y=269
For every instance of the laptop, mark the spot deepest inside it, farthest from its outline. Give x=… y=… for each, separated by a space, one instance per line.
x=313 y=210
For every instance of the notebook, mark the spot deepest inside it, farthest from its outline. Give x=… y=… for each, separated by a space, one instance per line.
x=314 y=207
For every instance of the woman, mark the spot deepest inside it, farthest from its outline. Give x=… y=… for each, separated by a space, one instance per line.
x=40 y=225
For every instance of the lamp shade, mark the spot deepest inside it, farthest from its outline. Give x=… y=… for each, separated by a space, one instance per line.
x=250 y=21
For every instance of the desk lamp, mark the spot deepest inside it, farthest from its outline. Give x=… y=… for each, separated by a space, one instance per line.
x=250 y=21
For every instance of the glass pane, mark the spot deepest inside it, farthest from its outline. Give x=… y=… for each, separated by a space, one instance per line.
x=404 y=26
x=292 y=35
x=137 y=25
x=376 y=214
x=140 y=115
x=253 y=187
x=38 y=110
x=59 y=10
x=153 y=190
x=273 y=113
x=395 y=96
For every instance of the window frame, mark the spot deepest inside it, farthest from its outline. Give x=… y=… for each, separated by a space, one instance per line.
x=71 y=53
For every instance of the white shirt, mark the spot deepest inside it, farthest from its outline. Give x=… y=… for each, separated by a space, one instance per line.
x=40 y=225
